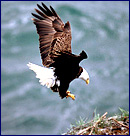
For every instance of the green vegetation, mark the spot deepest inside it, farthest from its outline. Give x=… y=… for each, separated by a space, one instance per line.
x=102 y=125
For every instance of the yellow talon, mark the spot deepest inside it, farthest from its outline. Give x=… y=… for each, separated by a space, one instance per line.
x=67 y=92
x=70 y=95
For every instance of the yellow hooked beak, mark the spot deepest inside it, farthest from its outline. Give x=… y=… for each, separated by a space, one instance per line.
x=87 y=81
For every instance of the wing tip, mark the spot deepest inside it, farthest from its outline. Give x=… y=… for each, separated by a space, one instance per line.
x=83 y=55
x=32 y=19
x=67 y=26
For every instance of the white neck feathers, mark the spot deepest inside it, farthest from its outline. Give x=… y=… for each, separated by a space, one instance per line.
x=84 y=75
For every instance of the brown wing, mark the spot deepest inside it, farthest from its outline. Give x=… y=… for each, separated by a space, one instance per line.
x=54 y=35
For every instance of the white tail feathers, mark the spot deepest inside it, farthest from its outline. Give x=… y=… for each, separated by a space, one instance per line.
x=46 y=75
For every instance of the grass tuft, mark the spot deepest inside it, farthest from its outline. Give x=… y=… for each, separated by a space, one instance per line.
x=102 y=125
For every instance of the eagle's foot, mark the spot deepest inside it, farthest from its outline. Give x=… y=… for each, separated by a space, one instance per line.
x=70 y=95
x=67 y=92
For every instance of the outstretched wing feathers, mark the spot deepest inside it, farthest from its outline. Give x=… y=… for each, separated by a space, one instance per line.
x=46 y=10
x=54 y=35
x=37 y=16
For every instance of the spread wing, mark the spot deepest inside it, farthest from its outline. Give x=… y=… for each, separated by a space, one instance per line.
x=54 y=35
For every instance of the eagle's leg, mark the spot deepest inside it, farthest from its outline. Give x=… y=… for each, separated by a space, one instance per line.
x=70 y=95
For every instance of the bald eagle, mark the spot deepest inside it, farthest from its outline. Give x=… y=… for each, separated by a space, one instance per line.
x=60 y=65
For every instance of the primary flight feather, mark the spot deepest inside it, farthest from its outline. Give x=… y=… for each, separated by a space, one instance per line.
x=60 y=65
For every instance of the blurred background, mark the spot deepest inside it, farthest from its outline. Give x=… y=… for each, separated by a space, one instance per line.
x=98 y=27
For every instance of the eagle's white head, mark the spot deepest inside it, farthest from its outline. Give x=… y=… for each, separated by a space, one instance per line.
x=84 y=76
